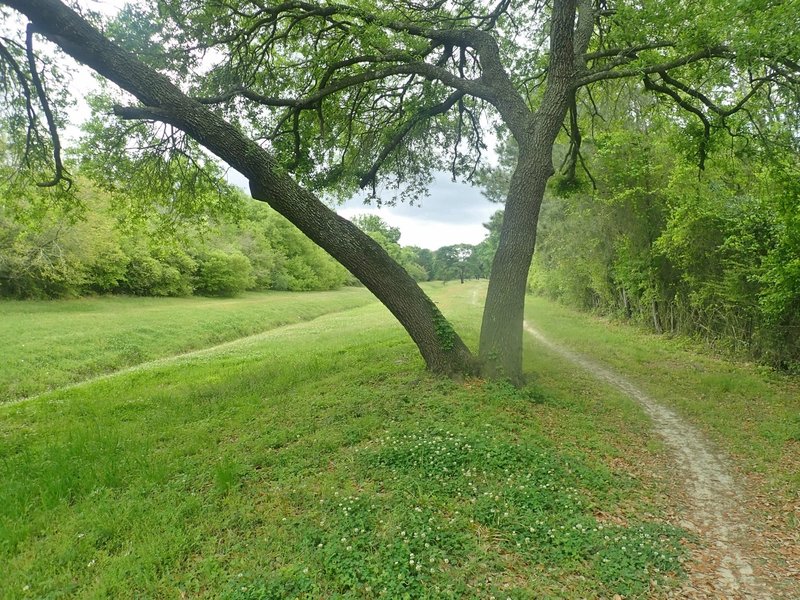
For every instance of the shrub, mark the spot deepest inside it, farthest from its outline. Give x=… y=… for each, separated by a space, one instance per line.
x=222 y=273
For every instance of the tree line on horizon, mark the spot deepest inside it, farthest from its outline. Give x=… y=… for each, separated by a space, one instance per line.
x=50 y=251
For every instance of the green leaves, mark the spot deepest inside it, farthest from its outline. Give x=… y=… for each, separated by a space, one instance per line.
x=711 y=253
x=153 y=169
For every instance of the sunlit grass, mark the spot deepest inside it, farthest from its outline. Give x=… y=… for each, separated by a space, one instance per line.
x=47 y=344
x=320 y=461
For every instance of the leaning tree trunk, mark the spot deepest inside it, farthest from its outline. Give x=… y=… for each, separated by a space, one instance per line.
x=441 y=348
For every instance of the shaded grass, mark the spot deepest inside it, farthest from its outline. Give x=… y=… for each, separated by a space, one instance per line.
x=48 y=344
x=320 y=461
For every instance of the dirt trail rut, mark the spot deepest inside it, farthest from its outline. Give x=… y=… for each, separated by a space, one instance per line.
x=234 y=344
x=715 y=510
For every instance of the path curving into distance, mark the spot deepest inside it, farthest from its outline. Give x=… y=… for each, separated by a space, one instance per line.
x=716 y=512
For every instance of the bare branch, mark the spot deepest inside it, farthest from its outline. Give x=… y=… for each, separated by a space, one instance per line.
x=61 y=173
x=571 y=160
x=428 y=71
x=609 y=72
x=630 y=51
x=723 y=112
x=26 y=92
x=649 y=84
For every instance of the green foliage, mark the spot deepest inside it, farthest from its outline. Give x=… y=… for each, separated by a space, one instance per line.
x=374 y=225
x=154 y=173
x=459 y=261
x=157 y=272
x=409 y=257
x=223 y=274
x=710 y=253
x=444 y=330
x=49 y=249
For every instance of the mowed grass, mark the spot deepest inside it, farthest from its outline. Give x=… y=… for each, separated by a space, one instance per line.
x=749 y=411
x=50 y=344
x=320 y=461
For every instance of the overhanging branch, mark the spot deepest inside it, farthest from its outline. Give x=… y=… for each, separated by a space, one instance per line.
x=722 y=112
x=369 y=177
x=60 y=173
x=651 y=85
x=591 y=76
x=425 y=70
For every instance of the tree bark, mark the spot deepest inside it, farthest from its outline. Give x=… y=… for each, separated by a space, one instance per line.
x=535 y=134
x=440 y=346
x=503 y=313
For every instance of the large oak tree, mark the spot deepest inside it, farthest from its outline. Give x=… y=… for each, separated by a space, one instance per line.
x=343 y=94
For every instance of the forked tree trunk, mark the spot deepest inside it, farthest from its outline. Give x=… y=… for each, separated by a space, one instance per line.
x=441 y=348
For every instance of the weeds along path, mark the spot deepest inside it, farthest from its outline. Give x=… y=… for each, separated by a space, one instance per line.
x=716 y=512
x=237 y=344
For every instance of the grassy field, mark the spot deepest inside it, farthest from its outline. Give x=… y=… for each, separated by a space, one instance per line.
x=50 y=344
x=319 y=460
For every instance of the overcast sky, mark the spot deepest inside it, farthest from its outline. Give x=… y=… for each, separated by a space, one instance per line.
x=451 y=214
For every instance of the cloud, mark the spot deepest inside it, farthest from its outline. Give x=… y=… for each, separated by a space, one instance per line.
x=452 y=213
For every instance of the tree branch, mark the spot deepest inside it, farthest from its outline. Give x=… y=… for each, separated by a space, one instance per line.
x=722 y=112
x=61 y=173
x=630 y=51
x=591 y=76
x=26 y=92
x=425 y=70
x=437 y=109
x=649 y=84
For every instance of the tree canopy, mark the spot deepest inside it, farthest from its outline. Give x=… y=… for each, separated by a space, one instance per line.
x=342 y=94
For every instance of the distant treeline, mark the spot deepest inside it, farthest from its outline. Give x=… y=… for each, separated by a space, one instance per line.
x=52 y=252
x=50 y=249
x=714 y=254
x=457 y=261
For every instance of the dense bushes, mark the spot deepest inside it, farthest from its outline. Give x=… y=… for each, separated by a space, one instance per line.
x=59 y=253
x=713 y=254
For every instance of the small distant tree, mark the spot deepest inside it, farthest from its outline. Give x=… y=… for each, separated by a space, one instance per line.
x=455 y=261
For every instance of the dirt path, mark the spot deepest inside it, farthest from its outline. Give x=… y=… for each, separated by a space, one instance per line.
x=716 y=512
